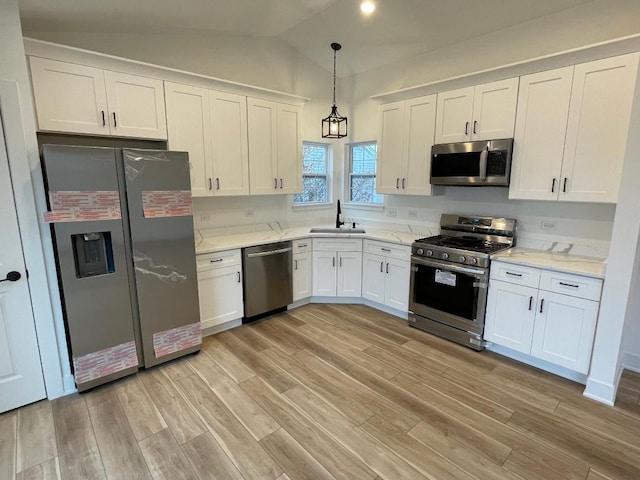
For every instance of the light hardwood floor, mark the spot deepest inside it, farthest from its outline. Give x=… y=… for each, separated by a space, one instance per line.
x=327 y=391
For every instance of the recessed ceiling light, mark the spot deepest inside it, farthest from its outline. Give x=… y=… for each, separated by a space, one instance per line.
x=367 y=7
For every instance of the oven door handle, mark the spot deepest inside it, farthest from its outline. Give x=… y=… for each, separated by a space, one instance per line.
x=448 y=266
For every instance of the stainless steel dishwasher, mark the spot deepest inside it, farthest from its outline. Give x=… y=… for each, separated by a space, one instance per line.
x=267 y=279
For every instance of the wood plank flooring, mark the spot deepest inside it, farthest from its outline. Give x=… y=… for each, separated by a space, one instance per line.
x=328 y=392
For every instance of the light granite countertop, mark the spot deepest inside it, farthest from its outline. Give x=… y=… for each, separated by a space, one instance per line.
x=559 y=262
x=241 y=240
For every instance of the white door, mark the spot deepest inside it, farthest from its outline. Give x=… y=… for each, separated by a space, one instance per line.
x=419 y=131
x=398 y=276
x=69 y=97
x=390 y=150
x=301 y=276
x=541 y=127
x=289 y=149
x=189 y=128
x=601 y=100
x=349 y=274
x=229 y=144
x=324 y=274
x=453 y=119
x=494 y=110
x=510 y=315
x=21 y=380
x=220 y=294
x=373 y=277
x=564 y=330
x=263 y=150
x=136 y=106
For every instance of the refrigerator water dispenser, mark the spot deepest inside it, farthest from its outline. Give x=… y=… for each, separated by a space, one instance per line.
x=93 y=254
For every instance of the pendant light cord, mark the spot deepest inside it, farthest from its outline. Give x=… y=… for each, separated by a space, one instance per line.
x=334 y=77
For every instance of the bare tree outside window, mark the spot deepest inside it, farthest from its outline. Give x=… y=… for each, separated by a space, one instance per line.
x=362 y=174
x=315 y=174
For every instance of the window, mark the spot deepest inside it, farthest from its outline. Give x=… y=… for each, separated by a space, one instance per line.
x=362 y=173
x=315 y=174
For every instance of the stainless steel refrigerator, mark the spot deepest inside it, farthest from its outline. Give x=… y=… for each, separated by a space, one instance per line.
x=125 y=253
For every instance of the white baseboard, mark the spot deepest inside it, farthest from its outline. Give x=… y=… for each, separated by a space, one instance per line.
x=206 y=331
x=386 y=309
x=631 y=361
x=338 y=300
x=600 y=391
x=299 y=303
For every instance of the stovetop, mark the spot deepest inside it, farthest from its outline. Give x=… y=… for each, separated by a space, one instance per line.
x=463 y=243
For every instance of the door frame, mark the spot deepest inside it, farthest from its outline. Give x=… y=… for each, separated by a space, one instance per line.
x=28 y=191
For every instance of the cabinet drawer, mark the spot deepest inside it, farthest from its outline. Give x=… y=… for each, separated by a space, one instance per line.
x=574 y=285
x=518 y=274
x=301 y=246
x=217 y=260
x=374 y=247
x=337 y=245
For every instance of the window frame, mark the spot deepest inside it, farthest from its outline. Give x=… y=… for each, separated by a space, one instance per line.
x=328 y=175
x=349 y=175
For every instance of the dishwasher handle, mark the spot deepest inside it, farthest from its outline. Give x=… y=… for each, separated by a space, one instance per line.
x=269 y=252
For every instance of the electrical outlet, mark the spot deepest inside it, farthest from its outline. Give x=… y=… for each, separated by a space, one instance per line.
x=413 y=213
x=249 y=213
x=205 y=217
x=548 y=225
x=392 y=211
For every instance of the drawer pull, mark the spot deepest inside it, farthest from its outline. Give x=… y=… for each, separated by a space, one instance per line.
x=569 y=285
x=530 y=302
x=217 y=260
x=541 y=305
x=302 y=245
x=514 y=274
x=385 y=249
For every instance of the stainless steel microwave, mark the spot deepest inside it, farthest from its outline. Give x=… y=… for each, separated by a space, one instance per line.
x=486 y=163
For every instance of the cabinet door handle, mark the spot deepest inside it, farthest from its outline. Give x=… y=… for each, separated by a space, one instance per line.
x=530 y=302
x=553 y=186
x=115 y=122
x=514 y=274
x=387 y=268
x=275 y=183
x=381 y=266
x=210 y=185
x=217 y=184
x=564 y=185
x=569 y=285
x=403 y=183
x=295 y=264
x=340 y=262
x=541 y=305
x=280 y=183
x=397 y=183
x=333 y=262
x=466 y=128
x=475 y=125
x=238 y=277
x=104 y=121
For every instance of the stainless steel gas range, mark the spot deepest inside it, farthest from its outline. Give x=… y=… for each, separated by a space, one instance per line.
x=450 y=276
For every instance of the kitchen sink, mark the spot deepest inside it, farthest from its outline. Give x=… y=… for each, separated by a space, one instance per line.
x=336 y=230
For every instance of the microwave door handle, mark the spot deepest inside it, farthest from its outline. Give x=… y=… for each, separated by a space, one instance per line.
x=483 y=163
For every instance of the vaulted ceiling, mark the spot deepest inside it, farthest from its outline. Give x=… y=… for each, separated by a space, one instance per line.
x=398 y=29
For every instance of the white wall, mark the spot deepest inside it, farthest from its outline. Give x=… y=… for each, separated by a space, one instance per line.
x=631 y=332
x=19 y=124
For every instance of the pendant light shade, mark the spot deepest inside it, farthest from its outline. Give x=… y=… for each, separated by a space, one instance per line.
x=335 y=125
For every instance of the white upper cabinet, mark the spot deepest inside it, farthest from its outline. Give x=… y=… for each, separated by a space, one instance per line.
x=212 y=127
x=78 y=99
x=189 y=128
x=541 y=126
x=405 y=141
x=483 y=112
x=275 y=147
x=571 y=131
x=598 y=127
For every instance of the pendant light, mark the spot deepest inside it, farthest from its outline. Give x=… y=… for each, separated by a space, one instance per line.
x=334 y=126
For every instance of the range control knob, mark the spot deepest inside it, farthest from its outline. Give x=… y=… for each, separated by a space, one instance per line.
x=473 y=261
x=445 y=255
x=462 y=259
x=420 y=251
x=429 y=253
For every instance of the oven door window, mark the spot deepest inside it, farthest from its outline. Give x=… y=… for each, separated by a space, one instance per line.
x=449 y=292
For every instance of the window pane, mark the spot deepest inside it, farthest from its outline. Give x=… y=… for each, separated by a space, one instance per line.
x=363 y=189
x=362 y=186
x=314 y=189
x=363 y=158
x=314 y=159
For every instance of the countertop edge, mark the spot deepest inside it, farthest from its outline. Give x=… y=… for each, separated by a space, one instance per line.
x=555 y=267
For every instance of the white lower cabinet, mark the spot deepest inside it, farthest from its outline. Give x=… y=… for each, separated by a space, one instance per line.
x=386 y=274
x=549 y=315
x=301 y=269
x=337 y=267
x=220 y=287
